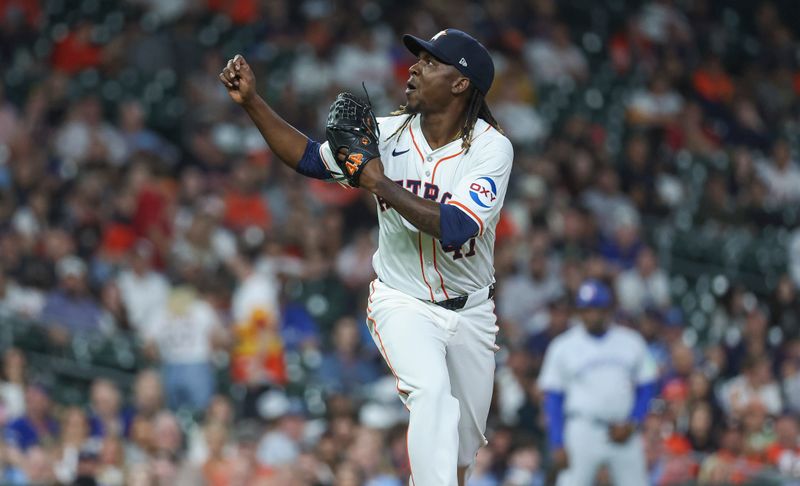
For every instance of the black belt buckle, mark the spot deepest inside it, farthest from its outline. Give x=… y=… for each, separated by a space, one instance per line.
x=457 y=303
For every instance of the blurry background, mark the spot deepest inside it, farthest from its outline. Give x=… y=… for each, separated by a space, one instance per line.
x=178 y=308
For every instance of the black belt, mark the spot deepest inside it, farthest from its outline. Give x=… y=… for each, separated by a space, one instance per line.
x=457 y=303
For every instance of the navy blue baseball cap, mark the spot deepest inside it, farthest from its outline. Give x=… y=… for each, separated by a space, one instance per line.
x=462 y=51
x=593 y=294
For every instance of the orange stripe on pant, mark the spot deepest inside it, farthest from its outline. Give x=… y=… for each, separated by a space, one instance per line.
x=397 y=379
x=380 y=341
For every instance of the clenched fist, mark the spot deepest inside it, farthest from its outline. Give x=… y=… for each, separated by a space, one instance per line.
x=239 y=79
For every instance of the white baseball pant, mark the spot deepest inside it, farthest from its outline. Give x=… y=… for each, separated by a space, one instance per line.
x=443 y=361
x=589 y=447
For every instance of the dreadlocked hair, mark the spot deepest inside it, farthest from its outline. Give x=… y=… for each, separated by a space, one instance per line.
x=476 y=108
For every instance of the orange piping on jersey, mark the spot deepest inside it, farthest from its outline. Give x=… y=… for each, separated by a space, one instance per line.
x=433 y=178
x=422 y=266
x=470 y=212
x=441 y=279
x=414 y=140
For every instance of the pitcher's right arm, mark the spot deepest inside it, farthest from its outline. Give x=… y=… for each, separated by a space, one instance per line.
x=286 y=142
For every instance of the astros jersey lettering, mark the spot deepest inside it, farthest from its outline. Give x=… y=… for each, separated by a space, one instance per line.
x=416 y=263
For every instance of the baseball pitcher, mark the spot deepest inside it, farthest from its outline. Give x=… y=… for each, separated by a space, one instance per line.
x=438 y=168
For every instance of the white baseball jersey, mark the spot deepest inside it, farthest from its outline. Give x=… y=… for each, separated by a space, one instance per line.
x=414 y=262
x=598 y=375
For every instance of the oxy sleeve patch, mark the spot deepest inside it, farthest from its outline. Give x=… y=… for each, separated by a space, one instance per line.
x=483 y=192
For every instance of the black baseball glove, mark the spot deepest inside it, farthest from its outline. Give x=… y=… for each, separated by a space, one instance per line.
x=352 y=126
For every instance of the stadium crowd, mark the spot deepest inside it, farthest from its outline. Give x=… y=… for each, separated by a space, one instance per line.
x=137 y=200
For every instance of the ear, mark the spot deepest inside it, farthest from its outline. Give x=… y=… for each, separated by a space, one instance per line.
x=460 y=85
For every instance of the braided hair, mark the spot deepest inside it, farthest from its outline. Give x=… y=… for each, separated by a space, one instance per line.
x=476 y=108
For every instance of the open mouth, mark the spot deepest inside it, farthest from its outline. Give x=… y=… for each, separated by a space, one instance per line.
x=410 y=87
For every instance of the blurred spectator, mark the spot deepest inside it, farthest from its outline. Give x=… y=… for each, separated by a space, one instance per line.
x=757 y=429
x=622 y=248
x=183 y=335
x=219 y=413
x=556 y=59
x=481 y=474
x=144 y=290
x=74 y=435
x=37 y=426
x=681 y=364
x=87 y=137
x=115 y=315
x=661 y=331
x=367 y=454
x=138 y=137
x=344 y=369
x=244 y=206
x=555 y=321
x=111 y=470
x=514 y=385
x=71 y=309
x=148 y=394
x=216 y=469
x=729 y=465
x=790 y=374
x=354 y=262
x=25 y=302
x=204 y=246
x=362 y=58
x=793 y=257
x=755 y=384
x=701 y=432
x=258 y=352
x=784 y=452
x=247 y=469
x=524 y=468
x=280 y=445
x=607 y=202
x=108 y=418
x=752 y=340
x=785 y=308
x=747 y=126
x=141 y=446
x=658 y=106
x=76 y=51
x=167 y=462
x=643 y=286
x=718 y=206
x=14 y=382
x=712 y=83
x=37 y=466
x=520 y=121
x=661 y=22
x=530 y=290
x=781 y=175
x=639 y=176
